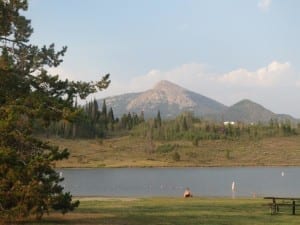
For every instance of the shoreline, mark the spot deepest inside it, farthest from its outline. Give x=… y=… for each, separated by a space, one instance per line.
x=136 y=198
x=105 y=198
x=182 y=167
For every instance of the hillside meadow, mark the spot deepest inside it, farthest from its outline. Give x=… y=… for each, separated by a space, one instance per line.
x=164 y=211
x=130 y=151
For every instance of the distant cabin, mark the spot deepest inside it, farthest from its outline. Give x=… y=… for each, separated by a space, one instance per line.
x=226 y=123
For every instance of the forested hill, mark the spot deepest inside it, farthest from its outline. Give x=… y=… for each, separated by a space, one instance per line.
x=248 y=111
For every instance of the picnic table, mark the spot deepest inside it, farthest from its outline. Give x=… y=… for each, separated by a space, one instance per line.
x=282 y=201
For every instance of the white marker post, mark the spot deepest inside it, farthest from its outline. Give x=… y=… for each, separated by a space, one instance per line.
x=233 y=189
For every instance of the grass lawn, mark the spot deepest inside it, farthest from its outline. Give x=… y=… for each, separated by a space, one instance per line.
x=164 y=211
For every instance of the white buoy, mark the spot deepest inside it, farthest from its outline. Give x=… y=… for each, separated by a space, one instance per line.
x=233 y=189
x=233 y=186
x=60 y=174
x=282 y=173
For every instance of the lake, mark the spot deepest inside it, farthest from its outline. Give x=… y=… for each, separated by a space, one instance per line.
x=206 y=182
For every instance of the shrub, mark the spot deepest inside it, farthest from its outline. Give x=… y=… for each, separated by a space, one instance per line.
x=165 y=148
x=176 y=156
x=195 y=141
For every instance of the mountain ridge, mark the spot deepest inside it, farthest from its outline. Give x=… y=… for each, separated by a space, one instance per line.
x=171 y=100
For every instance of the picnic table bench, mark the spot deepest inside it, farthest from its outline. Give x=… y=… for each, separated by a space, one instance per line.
x=282 y=201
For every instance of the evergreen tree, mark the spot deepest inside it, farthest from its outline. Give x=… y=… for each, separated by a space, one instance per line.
x=157 y=120
x=111 y=118
x=110 y=115
x=124 y=121
x=95 y=111
x=104 y=120
x=135 y=119
x=129 y=124
x=142 y=116
x=29 y=94
x=184 y=124
x=104 y=109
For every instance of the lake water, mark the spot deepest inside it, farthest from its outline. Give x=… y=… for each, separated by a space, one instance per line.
x=214 y=182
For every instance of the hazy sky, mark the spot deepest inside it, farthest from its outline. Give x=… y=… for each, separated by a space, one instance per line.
x=227 y=50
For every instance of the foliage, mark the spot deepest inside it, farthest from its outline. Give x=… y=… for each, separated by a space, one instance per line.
x=176 y=156
x=29 y=95
x=157 y=121
x=187 y=127
x=91 y=122
x=165 y=148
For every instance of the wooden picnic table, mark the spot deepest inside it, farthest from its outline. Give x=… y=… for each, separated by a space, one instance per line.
x=285 y=201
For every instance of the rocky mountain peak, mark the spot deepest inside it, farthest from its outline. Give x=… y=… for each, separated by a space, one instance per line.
x=163 y=92
x=166 y=85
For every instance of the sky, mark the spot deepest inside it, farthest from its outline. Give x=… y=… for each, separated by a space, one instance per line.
x=227 y=50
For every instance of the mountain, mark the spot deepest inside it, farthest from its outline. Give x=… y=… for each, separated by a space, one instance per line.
x=119 y=103
x=248 y=111
x=171 y=100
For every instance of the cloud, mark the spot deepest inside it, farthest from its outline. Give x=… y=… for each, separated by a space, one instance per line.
x=264 y=5
x=199 y=78
x=195 y=76
x=273 y=74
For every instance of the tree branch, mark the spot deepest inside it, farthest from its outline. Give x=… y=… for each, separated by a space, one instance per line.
x=12 y=41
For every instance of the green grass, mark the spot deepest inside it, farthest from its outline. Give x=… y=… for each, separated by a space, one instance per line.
x=164 y=211
x=129 y=151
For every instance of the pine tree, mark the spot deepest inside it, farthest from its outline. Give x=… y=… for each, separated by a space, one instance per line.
x=157 y=122
x=95 y=111
x=104 y=120
x=110 y=115
x=142 y=116
x=111 y=118
x=29 y=94
x=104 y=109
